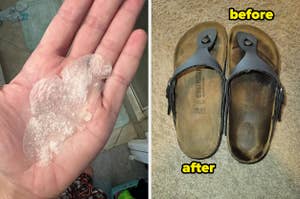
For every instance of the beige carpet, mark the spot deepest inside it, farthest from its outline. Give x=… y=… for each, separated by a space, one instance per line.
x=278 y=175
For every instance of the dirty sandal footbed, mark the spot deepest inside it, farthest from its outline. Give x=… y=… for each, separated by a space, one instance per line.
x=254 y=93
x=195 y=91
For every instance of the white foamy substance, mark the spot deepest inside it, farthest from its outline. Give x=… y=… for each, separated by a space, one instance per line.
x=59 y=106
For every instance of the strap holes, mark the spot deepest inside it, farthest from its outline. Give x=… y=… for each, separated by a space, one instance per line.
x=205 y=40
x=247 y=42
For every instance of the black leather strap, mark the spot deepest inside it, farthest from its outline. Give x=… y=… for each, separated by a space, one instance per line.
x=252 y=62
x=201 y=58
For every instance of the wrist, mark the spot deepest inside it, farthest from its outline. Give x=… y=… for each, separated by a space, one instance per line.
x=6 y=188
x=10 y=191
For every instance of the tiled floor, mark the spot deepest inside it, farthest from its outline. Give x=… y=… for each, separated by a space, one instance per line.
x=113 y=167
x=13 y=52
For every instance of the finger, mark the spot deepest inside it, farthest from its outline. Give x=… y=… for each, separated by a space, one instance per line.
x=94 y=27
x=123 y=72
x=60 y=33
x=119 y=30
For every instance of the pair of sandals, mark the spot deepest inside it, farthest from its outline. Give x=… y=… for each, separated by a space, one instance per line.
x=229 y=87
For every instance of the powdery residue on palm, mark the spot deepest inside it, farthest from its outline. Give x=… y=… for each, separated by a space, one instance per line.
x=59 y=106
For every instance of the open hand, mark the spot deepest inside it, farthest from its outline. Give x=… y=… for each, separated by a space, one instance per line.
x=80 y=27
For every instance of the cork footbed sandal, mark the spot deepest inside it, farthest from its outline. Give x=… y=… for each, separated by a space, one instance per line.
x=195 y=91
x=254 y=93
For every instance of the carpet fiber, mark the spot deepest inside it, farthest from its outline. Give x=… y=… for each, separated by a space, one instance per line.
x=278 y=174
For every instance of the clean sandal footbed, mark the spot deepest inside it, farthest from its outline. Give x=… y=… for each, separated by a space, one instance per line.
x=195 y=94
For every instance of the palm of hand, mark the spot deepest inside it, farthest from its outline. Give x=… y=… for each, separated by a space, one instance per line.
x=48 y=60
x=14 y=115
